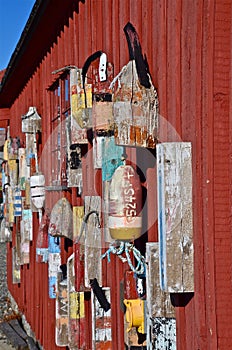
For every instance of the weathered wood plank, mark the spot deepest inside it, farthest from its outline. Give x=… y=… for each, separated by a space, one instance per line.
x=76 y=311
x=61 y=335
x=175 y=226
x=54 y=262
x=78 y=215
x=93 y=251
x=158 y=301
x=61 y=220
x=135 y=110
x=16 y=272
x=101 y=323
x=160 y=314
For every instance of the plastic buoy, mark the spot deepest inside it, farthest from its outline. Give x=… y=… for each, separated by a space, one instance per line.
x=125 y=203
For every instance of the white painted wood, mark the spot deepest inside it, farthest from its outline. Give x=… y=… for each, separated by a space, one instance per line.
x=160 y=314
x=101 y=323
x=175 y=225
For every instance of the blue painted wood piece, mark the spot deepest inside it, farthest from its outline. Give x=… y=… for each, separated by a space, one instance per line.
x=54 y=262
x=111 y=157
x=17 y=202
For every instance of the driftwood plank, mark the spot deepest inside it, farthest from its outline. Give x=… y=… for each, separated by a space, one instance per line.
x=61 y=334
x=161 y=323
x=93 y=245
x=101 y=323
x=175 y=226
x=16 y=275
x=76 y=311
x=54 y=262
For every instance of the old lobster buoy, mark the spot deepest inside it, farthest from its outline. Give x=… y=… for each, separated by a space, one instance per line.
x=42 y=240
x=125 y=203
x=61 y=220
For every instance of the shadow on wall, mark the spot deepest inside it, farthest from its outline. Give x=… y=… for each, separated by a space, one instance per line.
x=181 y=299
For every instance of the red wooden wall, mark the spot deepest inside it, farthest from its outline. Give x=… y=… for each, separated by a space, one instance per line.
x=188 y=48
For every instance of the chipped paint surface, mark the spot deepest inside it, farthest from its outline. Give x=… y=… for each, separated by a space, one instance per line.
x=111 y=157
x=125 y=201
x=16 y=275
x=101 y=323
x=76 y=311
x=78 y=132
x=163 y=334
x=61 y=220
x=61 y=311
x=54 y=262
x=78 y=214
x=135 y=110
x=160 y=314
x=102 y=115
x=174 y=172
x=93 y=261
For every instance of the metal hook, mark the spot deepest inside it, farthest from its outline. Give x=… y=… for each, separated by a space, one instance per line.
x=84 y=222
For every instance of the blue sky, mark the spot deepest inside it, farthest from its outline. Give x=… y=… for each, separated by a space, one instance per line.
x=13 y=17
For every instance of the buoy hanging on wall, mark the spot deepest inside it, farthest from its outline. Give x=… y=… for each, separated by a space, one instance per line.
x=61 y=221
x=125 y=204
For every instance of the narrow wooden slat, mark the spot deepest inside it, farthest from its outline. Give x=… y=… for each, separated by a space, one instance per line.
x=161 y=323
x=93 y=262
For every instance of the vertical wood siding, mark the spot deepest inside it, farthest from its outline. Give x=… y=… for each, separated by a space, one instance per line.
x=188 y=48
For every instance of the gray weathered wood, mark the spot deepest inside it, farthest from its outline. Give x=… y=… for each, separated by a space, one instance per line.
x=93 y=244
x=175 y=225
x=101 y=323
x=61 y=311
x=160 y=314
x=76 y=310
x=158 y=301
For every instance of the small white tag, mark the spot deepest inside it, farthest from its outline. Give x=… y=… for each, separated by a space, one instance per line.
x=102 y=67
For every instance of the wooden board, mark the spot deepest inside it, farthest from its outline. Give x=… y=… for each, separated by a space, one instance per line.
x=54 y=262
x=93 y=244
x=5 y=232
x=135 y=110
x=101 y=323
x=27 y=224
x=61 y=336
x=105 y=210
x=76 y=311
x=74 y=176
x=61 y=220
x=78 y=214
x=24 y=244
x=16 y=275
x=97 y=151
x=160 y=314
x=77 y=100
x=174 y=173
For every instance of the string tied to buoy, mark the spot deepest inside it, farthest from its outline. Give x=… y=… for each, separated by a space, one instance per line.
x=126 y=248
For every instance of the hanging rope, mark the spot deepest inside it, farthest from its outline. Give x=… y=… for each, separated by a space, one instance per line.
x=126 y=247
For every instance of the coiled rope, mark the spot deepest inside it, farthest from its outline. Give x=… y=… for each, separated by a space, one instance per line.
x=126 y=247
